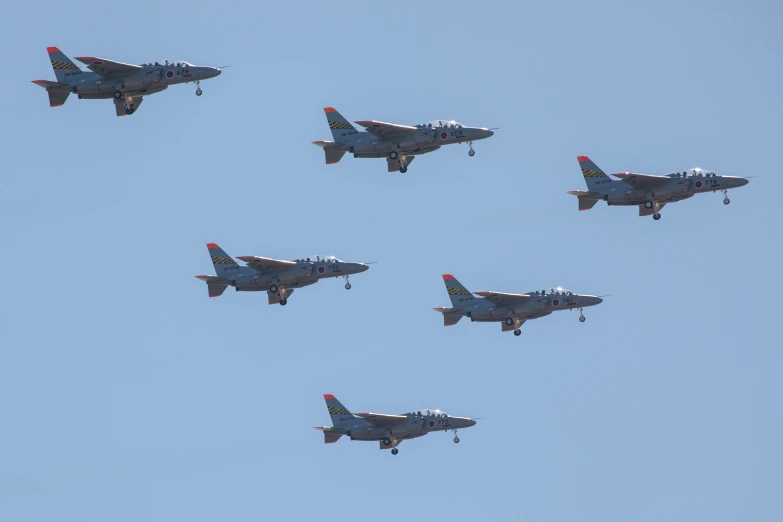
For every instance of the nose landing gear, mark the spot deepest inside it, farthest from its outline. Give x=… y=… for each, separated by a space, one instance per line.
x=726 y=199
x=456 y=439
x=581 y=316
x=198 y=88
x=471 y=152
x=347 y=284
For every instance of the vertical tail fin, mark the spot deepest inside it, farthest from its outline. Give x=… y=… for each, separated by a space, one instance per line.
x=594 y=176
x=221 y=261
x=338 y=124
x=62 y=65
x=339 y=413
x=459 y=294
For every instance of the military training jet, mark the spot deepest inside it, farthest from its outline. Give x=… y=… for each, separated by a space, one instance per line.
x=390 y=430
x=123 y=82
x=510 y=309
x=399 y=144
x=647 y=191
x=277 y=278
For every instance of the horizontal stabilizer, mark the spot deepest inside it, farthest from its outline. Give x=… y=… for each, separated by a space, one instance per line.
x=450 y=316
x=587 y=199
x=215 y=285
x=331 y=435
x=46 y=84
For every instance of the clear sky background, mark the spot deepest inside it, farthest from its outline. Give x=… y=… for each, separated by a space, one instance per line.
x=127 y=395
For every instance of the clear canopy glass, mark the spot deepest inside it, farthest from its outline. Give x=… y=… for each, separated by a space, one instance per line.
x=429 y=413
x=321 y=259
x=552 y=291
x=442 y=124
x=695 y=172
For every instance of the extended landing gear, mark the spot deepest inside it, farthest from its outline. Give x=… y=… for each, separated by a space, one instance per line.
x=648 y=204
x=198 y=88
x=517 y=332
x=283 y=301
x=657 y=216
x=403 y=170
x=581 y=316
x=456 y=439
x=471 y=152
x=273 y=289
x=347 y=284
x=129 y=110
x=386 y=442
x=393 y=155
x=395 y=451
x=117 y=94
x=726 y=199
x=509 y=321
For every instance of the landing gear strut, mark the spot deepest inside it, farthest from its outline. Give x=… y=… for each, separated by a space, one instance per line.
x=198 y=88
x=581 y=316
x=347 y=284
x=471 y=152
x=456 y=439
x=726 y=199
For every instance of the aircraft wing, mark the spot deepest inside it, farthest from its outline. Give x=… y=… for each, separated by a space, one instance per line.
x=119 y=105
x=393 y=165
x=103 y=67
x=381 y=418
x=500 y=298
x=265 y=264
x=399 y=441
x=385 y=130
x=642 y=180
x=285 y=293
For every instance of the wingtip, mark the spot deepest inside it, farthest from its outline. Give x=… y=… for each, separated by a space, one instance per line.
x=582 y=158
x=52 y=50
x=447 y=276
x=212 y=245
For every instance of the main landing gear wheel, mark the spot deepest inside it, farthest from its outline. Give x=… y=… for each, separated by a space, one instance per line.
x=517 y=332
x=509 y=321
x=471 y=152
x=386 y=442
x=403 y=169
x=656 y=216
x=393 y=155
x=347 y=286
x=283 y=302
x=117 y=95
x=726 y=201
x=648 y=204
x=273 y=289
x=395 y=451
x=581 y=318
x=456 y=440
x=129 y=111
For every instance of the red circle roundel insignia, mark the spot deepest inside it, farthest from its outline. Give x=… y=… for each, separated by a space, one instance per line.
x=444 y=135
x=556 y=302
x=698 y=184
x=431 y=424
x=321 y=270
x=169 y=74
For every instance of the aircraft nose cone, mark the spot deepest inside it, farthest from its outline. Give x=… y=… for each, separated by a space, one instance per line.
x=471 y=422
x=488 y=133
x=363 y=267
x=743 y=182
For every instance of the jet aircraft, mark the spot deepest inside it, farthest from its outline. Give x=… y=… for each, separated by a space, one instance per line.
x=277 y=278
x=512 y=310
x=399 y=144
x=123 y=82
x=389 y=430
x=648 y=191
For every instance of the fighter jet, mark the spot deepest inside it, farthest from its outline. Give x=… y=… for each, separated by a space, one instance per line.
x=123 y=82
x=399 y=144
x=389 y=430
x=512 y=310
x=647 y=191
x=277 y=278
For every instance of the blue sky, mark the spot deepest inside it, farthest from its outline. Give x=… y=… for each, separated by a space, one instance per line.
x=128 y=395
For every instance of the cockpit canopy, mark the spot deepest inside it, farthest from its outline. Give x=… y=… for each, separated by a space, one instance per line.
x=428 y=413
x=552 y=291
x=695 y=172
x=169 y=63
x=320 y=259
x=441 y=124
